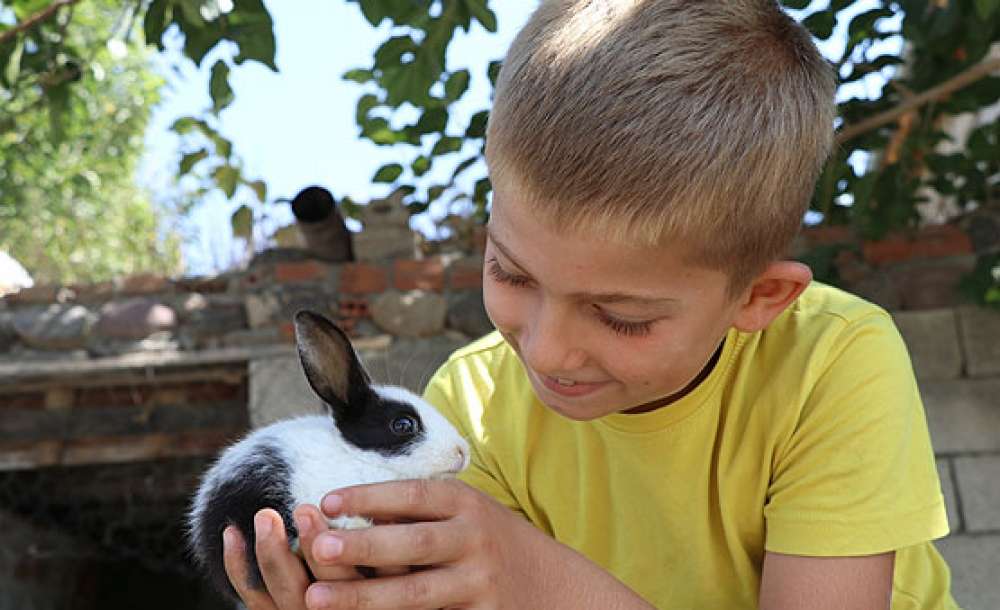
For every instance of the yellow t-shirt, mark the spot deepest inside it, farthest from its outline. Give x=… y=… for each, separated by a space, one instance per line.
x=807 y=438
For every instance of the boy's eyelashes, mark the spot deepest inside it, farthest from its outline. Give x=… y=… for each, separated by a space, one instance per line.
x=505 y=277
x=622 y=327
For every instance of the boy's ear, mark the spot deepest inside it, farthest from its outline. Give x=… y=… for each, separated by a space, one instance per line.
x=771 y=293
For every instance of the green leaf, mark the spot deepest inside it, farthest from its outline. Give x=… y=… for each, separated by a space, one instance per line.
x=447 y=144
x=483 y=14
x=431 y=121
x=359 y=76
x=493 y=71
x=259 y=187
x=251 y=27
x=189 y=160
x=365 y=104
x=218 y=87
x=986 y=8
x=482 y=188
x=456 y=85
x=13 y=67
x=434 y=192
x=477 y=124
x=821 y=24
x=155 y=22
x=461 y=167
x=373 y=10
x=388 y=173
x=378 y=131
x=420 y=165
x=227 y=178
x=242 y=222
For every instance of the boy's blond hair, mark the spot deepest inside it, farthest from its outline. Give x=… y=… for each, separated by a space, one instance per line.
x=703 y=123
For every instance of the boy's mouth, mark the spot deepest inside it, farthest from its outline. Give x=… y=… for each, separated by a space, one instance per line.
x=570 y=388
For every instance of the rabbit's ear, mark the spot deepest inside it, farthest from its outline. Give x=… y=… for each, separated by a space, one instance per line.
x=330 y=364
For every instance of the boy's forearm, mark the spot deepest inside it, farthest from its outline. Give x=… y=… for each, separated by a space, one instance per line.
x=573 y=582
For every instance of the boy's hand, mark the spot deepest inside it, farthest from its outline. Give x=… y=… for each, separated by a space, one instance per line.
x=284 y=574
x=472 y=551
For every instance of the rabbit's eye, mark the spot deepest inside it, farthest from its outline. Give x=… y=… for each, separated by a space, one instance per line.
x=404 y=425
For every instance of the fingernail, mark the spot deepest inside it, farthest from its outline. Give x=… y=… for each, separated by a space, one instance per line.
x=329 y=547
x=302 y=523
x=228 y=538
x=332 y=503
x=262 y=525
x=318 y=596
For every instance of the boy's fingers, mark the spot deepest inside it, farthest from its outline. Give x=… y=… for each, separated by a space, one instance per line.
x=425 y=543
x=416 y=499
x=283 y=572
x=311 y=523
x=439 y=588
x=235 y=561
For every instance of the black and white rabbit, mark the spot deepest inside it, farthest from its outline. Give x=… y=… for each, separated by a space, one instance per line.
x=370 y=434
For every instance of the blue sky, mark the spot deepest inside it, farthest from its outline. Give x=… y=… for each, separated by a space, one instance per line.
x=296 y=127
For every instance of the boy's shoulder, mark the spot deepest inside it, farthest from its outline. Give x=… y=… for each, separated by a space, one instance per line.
x=487 y=348
x=821 y=302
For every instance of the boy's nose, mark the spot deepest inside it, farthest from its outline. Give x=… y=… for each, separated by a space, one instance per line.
x=549 y=345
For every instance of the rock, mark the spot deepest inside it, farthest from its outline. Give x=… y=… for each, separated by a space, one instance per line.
x=409 y=362
x=55 y=327
x=279 y=390
x=879 y=288
x=467 y=314
x=135 y=319
x=161 y=341
x=386 y=233
x=980 y=336
x=205 y=328
x=7 y=335
x=932 y=339
x=410 y=314
x=262 y=308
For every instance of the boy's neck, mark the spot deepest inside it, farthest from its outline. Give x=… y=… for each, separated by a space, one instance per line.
x=668 y=400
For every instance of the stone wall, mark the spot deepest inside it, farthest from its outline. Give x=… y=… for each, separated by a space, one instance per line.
x=145 y=313
x=956 y=355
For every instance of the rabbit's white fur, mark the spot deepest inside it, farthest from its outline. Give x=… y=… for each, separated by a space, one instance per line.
x=320 y=460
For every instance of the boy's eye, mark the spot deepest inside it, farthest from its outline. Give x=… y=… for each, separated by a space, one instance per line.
x=504 y=277
x=623 y=327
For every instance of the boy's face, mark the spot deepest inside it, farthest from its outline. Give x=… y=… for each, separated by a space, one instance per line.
x=601 y=327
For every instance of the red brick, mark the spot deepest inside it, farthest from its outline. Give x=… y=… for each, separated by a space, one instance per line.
x=100 y=291
x=888 y=250
x=301 y=271
x=287 y=332
x=362 y=278
x=942 y=240
x=425 y=274
x=465 y=275
x=349 y=307
x=144 y=283
x=930 y=242
x=40 y=293
x=826 y=235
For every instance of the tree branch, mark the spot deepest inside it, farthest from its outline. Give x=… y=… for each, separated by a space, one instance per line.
x=34 y=19
x=960 y=80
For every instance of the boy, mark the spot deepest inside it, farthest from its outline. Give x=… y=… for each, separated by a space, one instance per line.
x=669 y=414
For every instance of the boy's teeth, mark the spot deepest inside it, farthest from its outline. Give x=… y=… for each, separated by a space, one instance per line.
x=566 y=382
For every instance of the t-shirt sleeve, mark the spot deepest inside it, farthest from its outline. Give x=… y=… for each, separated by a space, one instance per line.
x=462 y=401
x=856 y=476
